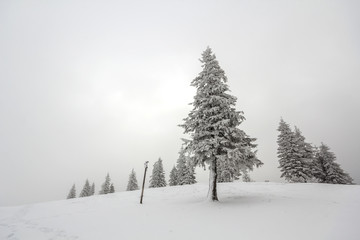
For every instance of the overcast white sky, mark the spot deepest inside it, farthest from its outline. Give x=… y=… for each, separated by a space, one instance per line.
x=90 y=87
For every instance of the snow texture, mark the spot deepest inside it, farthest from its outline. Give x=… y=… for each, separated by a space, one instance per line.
x=247 y=211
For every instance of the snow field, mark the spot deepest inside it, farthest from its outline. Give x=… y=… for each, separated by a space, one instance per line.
x=245 y=211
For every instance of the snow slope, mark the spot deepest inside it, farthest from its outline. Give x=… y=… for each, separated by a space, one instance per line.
x=245 y=211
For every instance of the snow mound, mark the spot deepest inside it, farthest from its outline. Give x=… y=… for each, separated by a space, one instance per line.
x=245 y=211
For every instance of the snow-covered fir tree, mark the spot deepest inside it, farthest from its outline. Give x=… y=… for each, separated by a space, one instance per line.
x=185 y=171
x=132 y=183
x=292 y=165
x=112 y=188
x=157 y=178
x=333 y=173
x=229 y=170
x=86 y=191
x=92 y=191
x=307 y=157
x=284 y=141
x=173 y=178
x=72 y=193
x=191 y=166
x=284 y=148
x=213 y=125
x=105 y=187
x=320 y=174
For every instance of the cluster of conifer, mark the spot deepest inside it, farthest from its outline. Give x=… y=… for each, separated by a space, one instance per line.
x=302 y=162
x=106 y=188
x=184 y=171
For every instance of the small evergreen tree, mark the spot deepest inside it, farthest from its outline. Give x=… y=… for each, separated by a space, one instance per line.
x=112 y=188
x=333 y=173
x=132 y=183
x=72 y=193
x=185 y=171
x=190 y=165
x=105 y=187
x=86 y=191
x=246 y=177
x=92 y=191
x=157 y=178
x=173 y=178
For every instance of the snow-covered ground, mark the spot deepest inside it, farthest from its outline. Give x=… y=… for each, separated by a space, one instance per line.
x=245 y=211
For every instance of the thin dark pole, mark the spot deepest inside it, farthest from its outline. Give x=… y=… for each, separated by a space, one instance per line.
x=143 y=185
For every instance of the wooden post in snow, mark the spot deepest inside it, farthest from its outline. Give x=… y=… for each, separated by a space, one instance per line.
x=143 y=185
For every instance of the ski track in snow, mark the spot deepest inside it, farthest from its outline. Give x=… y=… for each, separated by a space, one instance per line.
x=245 y=211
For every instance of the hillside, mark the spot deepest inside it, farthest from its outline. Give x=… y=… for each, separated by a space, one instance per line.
x=245 y=211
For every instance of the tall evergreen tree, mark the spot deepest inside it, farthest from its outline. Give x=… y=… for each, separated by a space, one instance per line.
x=173 y=178
x=307 y=157
x=132 y=183
x=105 y=187
x=72 y=193
x=284 y=150
x=213 y=124
x=86 y=191
x=92 y=191
x=157 y=178
x=333 y=173
x=112 y=188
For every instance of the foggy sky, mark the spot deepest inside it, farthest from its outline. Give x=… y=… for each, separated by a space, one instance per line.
x=91 y=87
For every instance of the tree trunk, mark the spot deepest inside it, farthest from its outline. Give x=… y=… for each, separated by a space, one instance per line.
x=212 y=194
